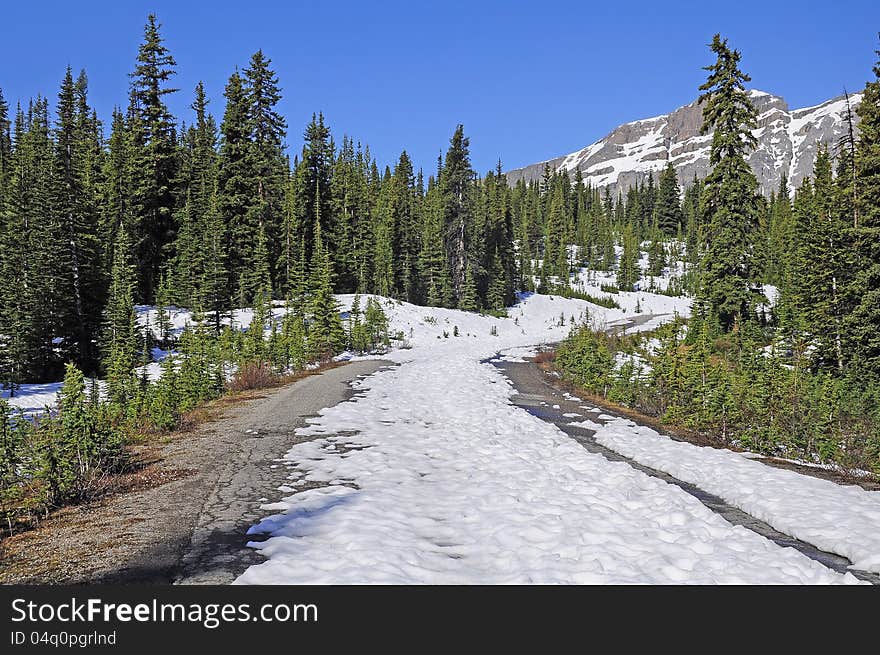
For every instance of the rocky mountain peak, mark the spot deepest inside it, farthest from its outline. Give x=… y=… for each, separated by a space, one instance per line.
x=787 y=143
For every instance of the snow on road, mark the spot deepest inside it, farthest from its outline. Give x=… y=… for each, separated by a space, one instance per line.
x=429 y=475
x=835 y=518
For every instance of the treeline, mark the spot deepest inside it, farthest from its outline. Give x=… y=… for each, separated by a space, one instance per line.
x=801 y=378
x=213 y=214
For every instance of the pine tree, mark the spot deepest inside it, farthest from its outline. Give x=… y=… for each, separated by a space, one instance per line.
x=432 y=259
x=469 y=301
x=656 y=253
x=456 y=189
x=555 y=260
x=627 y=269
x=5 y=150
x=31 y=254
x=375 y=324
x=863 y=324
x=730 y=194
x=74 y=205
x=325 y=333
x=403 y=218
x=312 y=189
x=156 y=159
x=199 y=253
x=235 y=184
x=116 y=191
x=269 y=165
x=120 y=337
x=667 y=210
x=818 y=265
x=255 y=347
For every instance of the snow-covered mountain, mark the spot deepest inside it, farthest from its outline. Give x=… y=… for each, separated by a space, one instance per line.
x=787 y=142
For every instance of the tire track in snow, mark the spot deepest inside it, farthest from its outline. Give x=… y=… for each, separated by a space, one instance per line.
x=540 y=398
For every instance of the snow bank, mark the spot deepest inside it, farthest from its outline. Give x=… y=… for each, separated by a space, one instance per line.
x=444 y=482
x=839 y=519
x=430 y=475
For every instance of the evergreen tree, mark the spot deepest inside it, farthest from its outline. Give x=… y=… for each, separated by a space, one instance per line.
x=120 y=337
x=469 y=301
x=555 y=260
x=404 y=231
x=667 y=210
x=656 y=253
x=325 y=333
x=31 y=290
x=199 y=263
x=730 y=193
x=432 y=259
x=269 y=167
x=863 y=324
x=235 y=185
x=456 y=189
x=312 y=190
x=628 y=269
x=75 y=209
x=156 y=159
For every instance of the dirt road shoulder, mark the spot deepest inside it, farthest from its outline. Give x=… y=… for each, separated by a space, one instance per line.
x=190 y=528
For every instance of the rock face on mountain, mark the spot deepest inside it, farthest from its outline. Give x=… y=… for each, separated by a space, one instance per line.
x=787 y=143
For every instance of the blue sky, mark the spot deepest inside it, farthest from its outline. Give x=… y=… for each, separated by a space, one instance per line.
x=528 y=80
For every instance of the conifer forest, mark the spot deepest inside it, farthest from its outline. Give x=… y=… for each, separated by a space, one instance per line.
x=103 y=218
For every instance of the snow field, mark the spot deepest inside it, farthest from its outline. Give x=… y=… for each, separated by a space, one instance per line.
x=444 y=482
x=430 y=476
x=839 y=519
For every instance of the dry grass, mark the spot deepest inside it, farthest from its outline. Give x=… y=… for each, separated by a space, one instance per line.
x=252 y=375
x=545 y=357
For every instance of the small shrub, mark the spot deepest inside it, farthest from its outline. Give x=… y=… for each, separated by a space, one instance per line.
x=252 y=375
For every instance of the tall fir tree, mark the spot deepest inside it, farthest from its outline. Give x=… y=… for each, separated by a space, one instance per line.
x=863 y=324
x=730 y=202
x=667 y=209
x=156 y=159
x=325 y=332
x=76 y=210
x=120 y=338
x=269 y=166
x=456 y=189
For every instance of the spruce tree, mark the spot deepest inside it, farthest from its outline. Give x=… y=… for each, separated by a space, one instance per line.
x=120 y=336
x=235 y=184
x=156 y=159
x=469 y=301
x=863 y=324
x=33 y=244
x=269 y=165
x=457 y=191
x=325 y=333
x=195 y=250
x=730 y=194
x=667 y=209
x=312 y=190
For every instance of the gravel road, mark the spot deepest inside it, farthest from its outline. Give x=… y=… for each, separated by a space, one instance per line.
x=191 y=529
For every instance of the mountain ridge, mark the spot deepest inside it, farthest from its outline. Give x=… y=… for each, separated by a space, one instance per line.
x=788 y=140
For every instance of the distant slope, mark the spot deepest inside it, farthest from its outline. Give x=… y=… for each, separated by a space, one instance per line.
x=787 y=142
